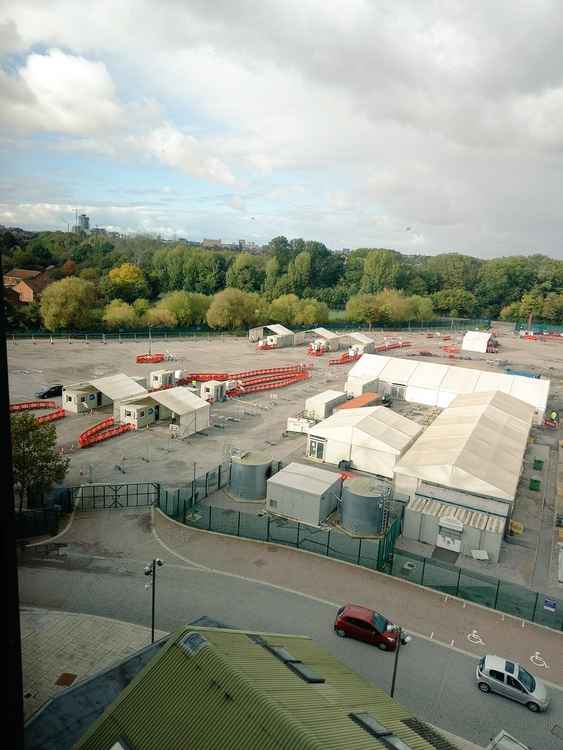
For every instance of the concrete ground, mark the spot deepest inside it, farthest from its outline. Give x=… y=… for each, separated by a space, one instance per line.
x=258 y=421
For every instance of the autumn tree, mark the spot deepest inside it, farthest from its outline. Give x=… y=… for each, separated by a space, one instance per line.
x=363 y=308
x=69 y=267
x=68 y=304
x=246 y=272
x=126 y=282
x=311 y=312
x=284 y=309
x=235 y=309
x=119 y=314
x=36 y=462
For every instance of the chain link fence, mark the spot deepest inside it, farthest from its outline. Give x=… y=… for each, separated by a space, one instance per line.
x=494 y=593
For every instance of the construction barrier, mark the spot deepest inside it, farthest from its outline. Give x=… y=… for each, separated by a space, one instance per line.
x=265 y=385
x=106 y=435
x=85 y=436
x=395 y=345
x=149 y=358
x=344 y=359
x=26 y=405
x=202 y=377
x=51 y=417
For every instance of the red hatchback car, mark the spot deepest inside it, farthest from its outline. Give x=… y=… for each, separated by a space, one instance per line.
x=369 y=626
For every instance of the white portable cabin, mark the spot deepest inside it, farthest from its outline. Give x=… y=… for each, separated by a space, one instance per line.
x=438 y=384
x=372 y=438
x=477 y=341
x=303 y=493
x=213 y=390
x=357 y=343
x=177 y=405
x=476 y=446
x=100 y=392
x=160 y=378
x=323 y=404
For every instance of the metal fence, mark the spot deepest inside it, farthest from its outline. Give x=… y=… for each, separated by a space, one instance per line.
x=164 y=334
x=367 y=552
x=177 y=501
x=539 y=326
x=503 y=596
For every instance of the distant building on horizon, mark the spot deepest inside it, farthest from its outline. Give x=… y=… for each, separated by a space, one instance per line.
x=83 y=223
x=211 y=243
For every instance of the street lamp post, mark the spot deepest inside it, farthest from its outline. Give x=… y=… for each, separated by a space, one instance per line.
x=150 y=339
x=150 y=570
x=401 y=641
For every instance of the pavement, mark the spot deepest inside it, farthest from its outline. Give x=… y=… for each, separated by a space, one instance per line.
x=429 y=614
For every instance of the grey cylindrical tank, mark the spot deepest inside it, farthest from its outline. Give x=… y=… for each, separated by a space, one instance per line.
x=249 y=474
x=363 y=506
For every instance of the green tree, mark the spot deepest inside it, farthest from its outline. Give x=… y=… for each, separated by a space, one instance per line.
x=126 y=282
x=36 y=461
x=457 y=303
x=531 y=302
x=381 y=271
x=189 y=308
x=363 y=308
x=246 y=273
x=235 y=309
x=394 y=306
x=119 y=314
x=553 y=308
x=421 y=307
x=204 y=272
x=272 y=276
x=299 y=272
x=511 y=311
x=69 y=267
x=284 y=309
x=68 y=303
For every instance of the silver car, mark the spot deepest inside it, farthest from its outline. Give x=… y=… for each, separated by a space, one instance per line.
x=511 y=680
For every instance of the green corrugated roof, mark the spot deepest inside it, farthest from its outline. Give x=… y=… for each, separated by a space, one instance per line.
x=236 y=694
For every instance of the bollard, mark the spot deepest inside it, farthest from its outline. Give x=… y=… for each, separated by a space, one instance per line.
x=86 y=337
x=69 y=341
x=32 y=338
x=103 y=338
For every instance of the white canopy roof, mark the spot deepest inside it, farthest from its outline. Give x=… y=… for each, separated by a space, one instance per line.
x=118 y=387
x=324 y=333
x=180 y=400
x=448 y=381
x=476 y=341
x=477 y=445
x=279 y=329
x=373 y=427
x=361 y=337
x=325 y=397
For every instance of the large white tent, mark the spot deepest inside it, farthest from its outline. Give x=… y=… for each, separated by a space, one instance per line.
x=476 y=341
x=476 y=445
x=372 y=438
x=438 y=384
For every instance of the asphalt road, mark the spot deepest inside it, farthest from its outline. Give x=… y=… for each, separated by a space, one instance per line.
x=435 y=682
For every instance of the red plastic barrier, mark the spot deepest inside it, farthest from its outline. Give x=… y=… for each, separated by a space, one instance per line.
x=344 y=359
x=90 y=432
x=25 y=405
x=51 y=417
x=202 y=377
x=242 y=389
x=106 y=435
x=388 y=347
x=149 y=358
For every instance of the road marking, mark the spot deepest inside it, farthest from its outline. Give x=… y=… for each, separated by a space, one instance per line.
x=452 y=643
x=538 y=660
x=475 y=638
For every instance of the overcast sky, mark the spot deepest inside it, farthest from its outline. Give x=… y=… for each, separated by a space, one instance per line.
x=421 y=125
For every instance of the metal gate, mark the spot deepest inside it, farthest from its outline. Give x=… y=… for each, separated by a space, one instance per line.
x=89 y=497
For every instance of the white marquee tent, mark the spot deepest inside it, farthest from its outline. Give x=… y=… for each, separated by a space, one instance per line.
x=476 y=445
x=476 y=341
x=372 y=438
x=438 y=384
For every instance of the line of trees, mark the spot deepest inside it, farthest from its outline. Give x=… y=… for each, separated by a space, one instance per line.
x=133 y=280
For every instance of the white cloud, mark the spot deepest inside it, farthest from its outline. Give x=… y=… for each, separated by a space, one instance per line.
x=444 y=116
x=182 y=151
